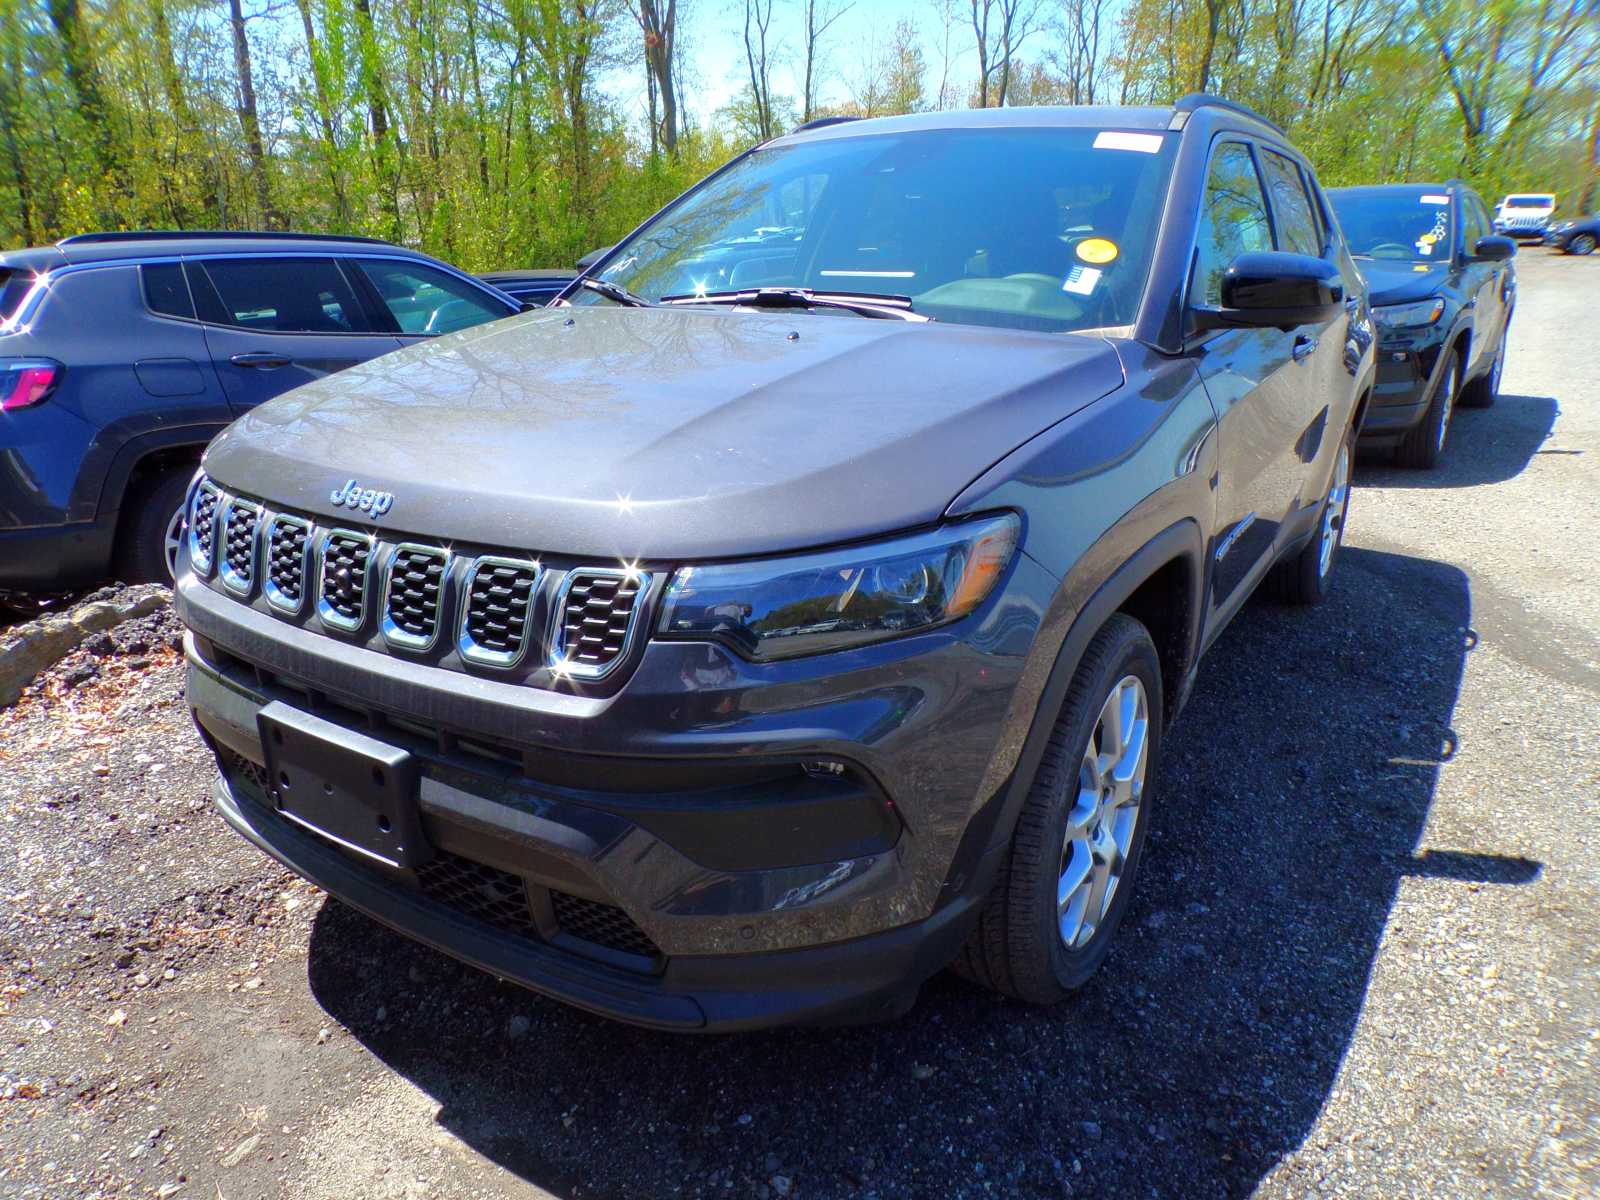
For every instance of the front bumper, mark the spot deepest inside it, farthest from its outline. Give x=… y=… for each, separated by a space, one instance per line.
x=860 y=979
x=1407 y=368
x=759 y=892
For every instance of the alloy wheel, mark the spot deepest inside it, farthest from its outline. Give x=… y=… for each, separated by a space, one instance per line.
x=1333 y=510
x=1448 y=400
x=1584 y=243
x=171 y=542
x=1105 y=814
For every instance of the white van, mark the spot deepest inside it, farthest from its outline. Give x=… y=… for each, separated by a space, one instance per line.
x=1525 y=214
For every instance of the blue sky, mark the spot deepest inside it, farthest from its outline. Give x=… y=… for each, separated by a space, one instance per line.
x=712 y=37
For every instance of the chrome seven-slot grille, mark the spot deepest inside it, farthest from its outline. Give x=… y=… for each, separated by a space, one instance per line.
x=351 y=576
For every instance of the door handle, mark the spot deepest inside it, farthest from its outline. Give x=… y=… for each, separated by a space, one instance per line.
x=260 y=360
x=1303 y=346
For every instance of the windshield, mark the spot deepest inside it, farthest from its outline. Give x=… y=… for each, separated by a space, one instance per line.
x=1530 y=202
x=1045 y=229
x=1407 y=225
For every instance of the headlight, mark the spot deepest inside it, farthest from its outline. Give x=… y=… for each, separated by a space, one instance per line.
x=834 y=599
x=1410 y=316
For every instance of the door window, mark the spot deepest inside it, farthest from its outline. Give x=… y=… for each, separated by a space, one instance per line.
x=285 y=295
x=1233 y=220
x=1297 y=228
x=424 y=300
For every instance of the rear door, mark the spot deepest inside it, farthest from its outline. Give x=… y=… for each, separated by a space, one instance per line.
x=421 y=301
x=273 y=323
x=1252 y=377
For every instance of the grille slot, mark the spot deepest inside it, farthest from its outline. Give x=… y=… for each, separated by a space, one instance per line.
x=597 y=611
x=240 y=521
x=496 y=610
x=342 y=579
x=493 y=896
x=412 y=594
x=603 y=924
x=288 y=539
x=203 y=527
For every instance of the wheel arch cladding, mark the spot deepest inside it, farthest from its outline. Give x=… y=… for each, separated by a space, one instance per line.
x=1143 y=586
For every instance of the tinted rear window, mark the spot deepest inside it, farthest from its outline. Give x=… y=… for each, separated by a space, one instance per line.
x=166 y=291
x=14 y=286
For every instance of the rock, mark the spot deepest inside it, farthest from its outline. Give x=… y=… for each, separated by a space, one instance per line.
x=80 y=674
x=921 y=1071
x=517 y=1027
x=39 y=644
x=242 y=1151
x=782 y=1184
x=1091 y=1129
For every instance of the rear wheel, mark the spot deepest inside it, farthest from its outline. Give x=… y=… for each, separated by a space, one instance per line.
x=1069 y=872
x=152 y=529
x=1424 y=444
x=1483 y=391
x=1307 y=577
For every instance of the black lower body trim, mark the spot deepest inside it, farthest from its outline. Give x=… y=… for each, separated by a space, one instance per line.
x=865 y=978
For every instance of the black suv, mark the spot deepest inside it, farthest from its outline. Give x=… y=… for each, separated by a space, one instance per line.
x=781 y=617
x=1442 y=287
x=123 y=354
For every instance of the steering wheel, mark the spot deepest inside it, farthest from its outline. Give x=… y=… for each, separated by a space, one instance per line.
x=1390 y=250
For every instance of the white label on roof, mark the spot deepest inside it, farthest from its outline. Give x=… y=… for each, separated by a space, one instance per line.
x=1436 y=199
x=1081 y=280
x=1116 y=139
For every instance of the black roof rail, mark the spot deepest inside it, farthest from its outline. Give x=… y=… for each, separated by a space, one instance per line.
x=173 y=235
x=1196 y=100
x=824 y=122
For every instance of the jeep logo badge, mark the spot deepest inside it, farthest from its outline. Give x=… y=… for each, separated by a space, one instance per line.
x=353 y=495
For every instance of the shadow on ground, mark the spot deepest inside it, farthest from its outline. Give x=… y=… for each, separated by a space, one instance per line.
x=1486 y=445
x=1292 y=797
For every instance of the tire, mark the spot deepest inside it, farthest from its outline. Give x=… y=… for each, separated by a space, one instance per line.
x=1483 y=391
x=1308 y=576
x=1583 y=243
x=151 y=514
x=1019 y=946
x=1422 y=447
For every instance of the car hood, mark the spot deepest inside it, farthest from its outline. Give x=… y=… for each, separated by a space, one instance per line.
x=665 y=433
x=1402 y=282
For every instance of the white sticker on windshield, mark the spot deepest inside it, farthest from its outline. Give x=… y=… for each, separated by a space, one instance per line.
x=1116 y=139
x=1436 y=200
x=1080 y=281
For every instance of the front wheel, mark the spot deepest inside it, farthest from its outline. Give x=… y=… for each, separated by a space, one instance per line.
x=1069 y=873
x=1424 y=444
x=1584 y=243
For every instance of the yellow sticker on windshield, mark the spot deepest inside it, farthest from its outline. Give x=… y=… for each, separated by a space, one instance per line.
x=1098 y=251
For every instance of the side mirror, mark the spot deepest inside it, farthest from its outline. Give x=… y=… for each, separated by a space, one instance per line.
x=1273 y=289
x=594 y=256
x=1494 y=248
x=526 y=306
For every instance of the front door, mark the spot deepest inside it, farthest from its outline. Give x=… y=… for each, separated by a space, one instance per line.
x=273 y=323
x=1253 y=379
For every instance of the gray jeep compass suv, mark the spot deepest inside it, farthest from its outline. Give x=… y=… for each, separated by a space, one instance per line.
x=799 y=605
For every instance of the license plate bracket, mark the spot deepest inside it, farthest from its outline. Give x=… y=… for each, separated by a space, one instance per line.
x=352 y=789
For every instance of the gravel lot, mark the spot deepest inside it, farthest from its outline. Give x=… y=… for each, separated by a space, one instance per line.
x=1363 y=960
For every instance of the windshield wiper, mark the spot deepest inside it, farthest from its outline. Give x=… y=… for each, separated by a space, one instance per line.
x=615 y=292
x=864 y=304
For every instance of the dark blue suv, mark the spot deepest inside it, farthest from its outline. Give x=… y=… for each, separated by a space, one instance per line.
x=123 y=354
